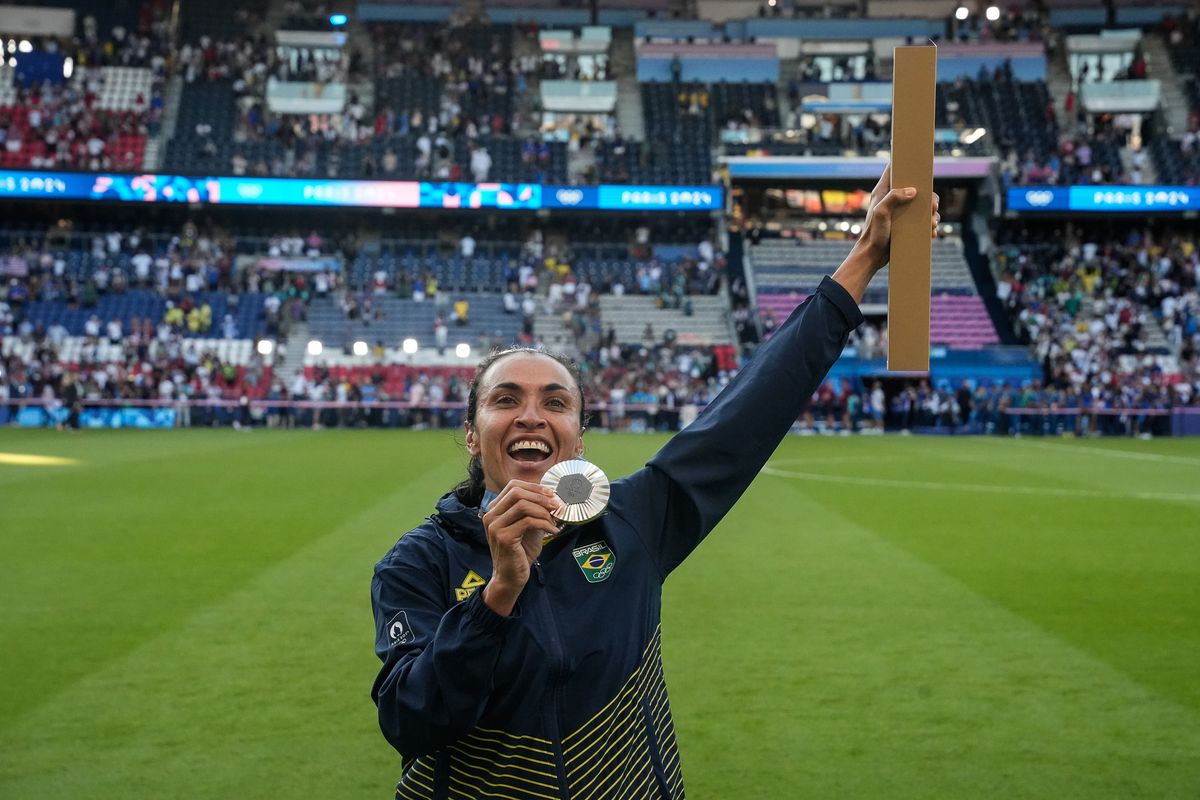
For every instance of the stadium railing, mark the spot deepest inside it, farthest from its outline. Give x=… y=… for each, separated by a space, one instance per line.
x=635 y=417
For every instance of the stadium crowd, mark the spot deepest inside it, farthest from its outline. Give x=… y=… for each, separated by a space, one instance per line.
x=1085 y=304
x=471 y=69
x=59 y=121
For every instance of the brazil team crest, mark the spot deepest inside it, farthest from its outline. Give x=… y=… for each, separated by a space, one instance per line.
x=596 y=560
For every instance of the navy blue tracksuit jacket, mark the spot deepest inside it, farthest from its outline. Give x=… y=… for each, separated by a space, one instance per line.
x=565 y=699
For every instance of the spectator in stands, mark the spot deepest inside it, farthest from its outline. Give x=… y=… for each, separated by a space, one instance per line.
x=440 y=335
x=511 y=304
x=481 y=163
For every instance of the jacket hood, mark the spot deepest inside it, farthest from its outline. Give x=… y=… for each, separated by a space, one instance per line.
x=463 y=521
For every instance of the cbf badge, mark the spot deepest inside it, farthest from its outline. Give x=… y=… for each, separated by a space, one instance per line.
x=596 y=560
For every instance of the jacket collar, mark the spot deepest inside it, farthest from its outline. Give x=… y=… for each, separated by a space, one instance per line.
x=463 y=520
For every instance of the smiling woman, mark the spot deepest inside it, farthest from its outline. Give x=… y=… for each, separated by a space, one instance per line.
x=514 y=392
x=516 y=666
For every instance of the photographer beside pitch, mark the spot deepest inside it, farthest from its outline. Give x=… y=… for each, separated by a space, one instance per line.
x=513 y=668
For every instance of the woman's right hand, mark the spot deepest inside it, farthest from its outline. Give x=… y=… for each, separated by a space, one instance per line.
x=516 y=522
x=881 y=208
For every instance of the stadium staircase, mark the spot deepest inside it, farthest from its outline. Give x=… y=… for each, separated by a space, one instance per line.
x=1156 y=341
x=526 y=106
x=630 y=114
x=629 y=315
x=1059 y=83
x=156 y=147
x=277 y=14
x=980 y=265
x=1173 y=101
x=549 y=327
x=579 y=164
x=291 y=360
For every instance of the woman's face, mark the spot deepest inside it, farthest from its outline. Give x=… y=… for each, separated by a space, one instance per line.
x=526 y=419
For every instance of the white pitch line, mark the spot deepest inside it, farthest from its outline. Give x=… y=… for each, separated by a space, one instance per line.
x=1155 y=457
x=824 y=460
x=1049 y=491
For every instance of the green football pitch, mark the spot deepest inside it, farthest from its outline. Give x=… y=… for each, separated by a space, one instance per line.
x=187 y=614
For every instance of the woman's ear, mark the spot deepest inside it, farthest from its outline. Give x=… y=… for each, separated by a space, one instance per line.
x=579 y=445
x=472 y=439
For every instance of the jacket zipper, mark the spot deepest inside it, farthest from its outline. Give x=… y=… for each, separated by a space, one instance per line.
x=656 y=757
x=441 y=776
x=558 y=669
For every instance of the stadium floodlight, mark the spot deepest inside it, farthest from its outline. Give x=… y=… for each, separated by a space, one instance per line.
x=265 y=347
x=843 y=226
x=993 y=13
x=360 y=348
x=25 y=46
x=821 y=226
x=68 y=67
x=856 y=229
x=462 y=350
x=410 y=345
x=961 y=13
x=315 y=347
x=338 y=20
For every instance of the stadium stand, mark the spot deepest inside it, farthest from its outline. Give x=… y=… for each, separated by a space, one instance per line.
x=1094 y=307
x=1183 y=36
x=799 y=264
x=1176 y=163
x=392 y=319
x=100 y=119
x=678 y=134
x=653 y=307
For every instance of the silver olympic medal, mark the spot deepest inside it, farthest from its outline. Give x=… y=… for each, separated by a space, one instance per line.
x=582 y=487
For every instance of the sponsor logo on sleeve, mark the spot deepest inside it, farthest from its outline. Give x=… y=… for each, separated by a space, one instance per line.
x=469 y=585
x=398 y=630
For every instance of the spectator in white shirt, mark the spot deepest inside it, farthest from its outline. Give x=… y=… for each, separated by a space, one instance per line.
x=141 y=267
x=481 y=164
